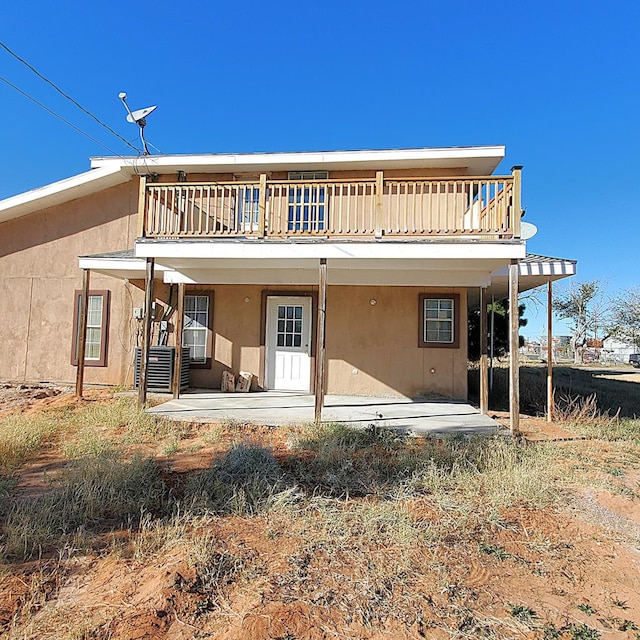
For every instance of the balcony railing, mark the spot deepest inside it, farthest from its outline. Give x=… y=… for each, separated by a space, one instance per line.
x=380 y=207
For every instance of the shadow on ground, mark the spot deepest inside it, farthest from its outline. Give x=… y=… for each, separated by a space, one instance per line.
x=614 y=391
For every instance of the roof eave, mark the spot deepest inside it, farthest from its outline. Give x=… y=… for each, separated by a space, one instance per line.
x=479 y=160
x=62 y=191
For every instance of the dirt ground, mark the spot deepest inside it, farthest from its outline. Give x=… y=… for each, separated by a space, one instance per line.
x=550 y=573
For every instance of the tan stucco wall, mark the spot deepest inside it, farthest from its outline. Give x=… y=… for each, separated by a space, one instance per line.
x=39 y=274
x=371 y=350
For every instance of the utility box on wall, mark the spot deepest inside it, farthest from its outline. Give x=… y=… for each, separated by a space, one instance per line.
x=160 y=372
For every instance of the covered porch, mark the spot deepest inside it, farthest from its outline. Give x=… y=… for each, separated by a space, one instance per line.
x=419 y=417
x=372 y=287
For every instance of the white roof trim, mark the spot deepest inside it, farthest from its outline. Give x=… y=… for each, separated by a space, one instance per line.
x=61 y=191
x=382 y=158
x=109 y=171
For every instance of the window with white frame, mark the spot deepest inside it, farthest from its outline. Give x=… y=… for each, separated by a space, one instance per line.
x=248 y=208
x=307 y=204
x=308 y=175
x=438 y=320
x=196 y=325
x=95 y=350
x=94 y=328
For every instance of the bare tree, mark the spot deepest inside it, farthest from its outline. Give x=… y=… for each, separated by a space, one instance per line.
x=588 y=312
x=626 y=316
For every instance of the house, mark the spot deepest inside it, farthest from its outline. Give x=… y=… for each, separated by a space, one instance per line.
x=337 y=272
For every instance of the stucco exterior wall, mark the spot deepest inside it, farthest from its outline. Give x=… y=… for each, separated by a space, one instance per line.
x=39 y=274
x=372 y=350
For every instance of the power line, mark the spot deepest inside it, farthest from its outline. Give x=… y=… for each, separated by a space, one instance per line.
x=53 y=113
x=68 y=97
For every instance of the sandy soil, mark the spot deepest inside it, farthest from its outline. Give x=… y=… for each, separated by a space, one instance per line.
x=579 y=565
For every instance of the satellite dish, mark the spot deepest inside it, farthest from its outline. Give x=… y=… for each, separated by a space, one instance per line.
x=527 y=230
x=139 y=117
x=140 y=114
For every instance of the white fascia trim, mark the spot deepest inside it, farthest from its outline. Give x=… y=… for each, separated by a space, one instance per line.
x=115 y=264
x=373 y=277
x=343 y=250
x=319 y=158
x=61 y=191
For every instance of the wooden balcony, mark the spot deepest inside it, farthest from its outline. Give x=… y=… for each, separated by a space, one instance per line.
x=486 y=207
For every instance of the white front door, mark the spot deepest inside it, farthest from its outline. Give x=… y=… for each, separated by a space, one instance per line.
x=288 y=345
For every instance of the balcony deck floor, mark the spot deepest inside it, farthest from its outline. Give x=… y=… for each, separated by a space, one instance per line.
x=418 y=417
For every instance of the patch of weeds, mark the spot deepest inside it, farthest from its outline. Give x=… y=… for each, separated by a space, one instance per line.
x=581 y=632
x=572 y=631
x=212 y=435
x=524 y=614
x=621 y=604
x=623 y=625
x=586 y=608
x=614 y=471
x=87 y=443
x=170 y=447
x=551 y=632
x=494 y=550
x=24 y=434
x=91 y=493
x=348 y=438
x=245 y=481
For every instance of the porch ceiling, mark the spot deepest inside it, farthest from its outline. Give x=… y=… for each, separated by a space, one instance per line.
x=472 y=273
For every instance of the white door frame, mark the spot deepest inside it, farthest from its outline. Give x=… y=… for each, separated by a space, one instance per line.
x=271 y=348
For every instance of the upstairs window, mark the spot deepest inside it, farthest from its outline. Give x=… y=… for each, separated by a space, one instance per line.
x=248 y=208
x=300 y=176
x=307 y=204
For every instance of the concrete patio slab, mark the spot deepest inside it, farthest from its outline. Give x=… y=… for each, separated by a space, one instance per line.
x=419 y=417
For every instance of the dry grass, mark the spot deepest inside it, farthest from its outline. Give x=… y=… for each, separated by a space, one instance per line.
x=350 y=523
x=92 y=493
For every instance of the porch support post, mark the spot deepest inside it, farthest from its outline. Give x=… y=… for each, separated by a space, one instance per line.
x=517 y=200
x=262 y=206
x=379 y=194
x=81 y=336
x=514 y=370
x=492 y=331
x=550 y=353
x=484 y=377
x=146 y=336
x=178 y=328
x=142 y=200
x=320 y=341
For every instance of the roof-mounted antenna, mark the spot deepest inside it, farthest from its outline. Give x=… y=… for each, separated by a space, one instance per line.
x=138 y=117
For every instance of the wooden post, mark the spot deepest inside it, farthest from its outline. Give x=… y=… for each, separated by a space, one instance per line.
x=142 y=201
x=178 y=328
x=550 y=353
x=146 y=337
x=81 y=336
x=379 y=194
x=320 y=341
x=517 y=200
x=492 y=332
x=514 y=371
x=262 y=206
x=484 y=372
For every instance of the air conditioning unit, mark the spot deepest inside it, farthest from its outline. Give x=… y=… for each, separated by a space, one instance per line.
x=160 y=371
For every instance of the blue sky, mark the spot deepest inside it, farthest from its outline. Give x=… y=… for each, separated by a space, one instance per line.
x=557 y=82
